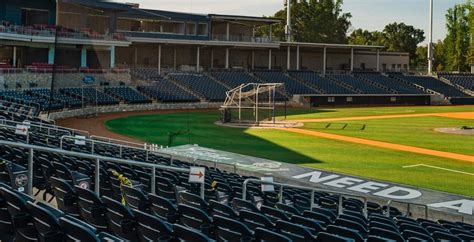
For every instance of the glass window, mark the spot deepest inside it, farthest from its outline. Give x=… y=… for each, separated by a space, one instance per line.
x=190 y=28
x=202 y=29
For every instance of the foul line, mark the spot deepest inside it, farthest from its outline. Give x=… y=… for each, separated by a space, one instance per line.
x=381 y=144
x=439 y=168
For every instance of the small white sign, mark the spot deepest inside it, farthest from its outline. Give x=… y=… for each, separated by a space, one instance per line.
x=265 y=187
x=27 y=123
x=80 y=140
x=197 y=174
x=21 y=129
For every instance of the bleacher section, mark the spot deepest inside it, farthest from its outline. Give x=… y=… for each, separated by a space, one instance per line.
x=432 y=84
x=466 y=81
x=359 y=85
x=127 y=95
x=201 y=84
x=166 y=91
x=176 y=211
x=326 y=86
x=292 y=86
x=91 y=95
x=234 y=78
x=399 y=87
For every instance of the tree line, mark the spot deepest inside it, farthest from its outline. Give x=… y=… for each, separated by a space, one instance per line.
x=324 y=21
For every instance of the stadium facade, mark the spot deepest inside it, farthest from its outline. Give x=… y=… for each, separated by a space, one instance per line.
x=101 y=35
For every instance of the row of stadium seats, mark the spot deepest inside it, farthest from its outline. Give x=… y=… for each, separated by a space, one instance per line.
x=127 y=95
x=466 y=81
x=201 y=84
x=126 y=210
x=432 y=84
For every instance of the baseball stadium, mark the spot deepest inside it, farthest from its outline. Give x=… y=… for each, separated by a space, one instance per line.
x=120 y=122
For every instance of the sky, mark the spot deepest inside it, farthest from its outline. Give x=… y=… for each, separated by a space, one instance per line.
x=366 y=14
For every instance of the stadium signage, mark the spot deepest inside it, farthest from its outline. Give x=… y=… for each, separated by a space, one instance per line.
x=384 y=190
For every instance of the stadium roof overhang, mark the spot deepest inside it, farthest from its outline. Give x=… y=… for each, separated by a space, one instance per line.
x=248 y=20
x=327 y=45
x=99 y=4
x=151 y=14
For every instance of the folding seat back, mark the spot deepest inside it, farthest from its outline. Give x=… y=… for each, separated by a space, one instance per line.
x=183 y=233
x=120 y=220
x=75 y=230
x=328 y=237
x=195 y=218
x=274 y=214
x=466 y=237
x=46 y=221
x=345 y=232
x=217 y=208
x=445 y=236
x=151 y=228
x=193 y=200
x=356 y=215
x=389 y=234
x=135 y=198
x=301 y=203
x=459 y=230
x=6 y=225
x=255 y=220
x=311 y=224
x=240 y=204
x=163 y=208
x=91 y=208
x=373 y=238
x=328 y=203
x=165 y=188
x=72 y=177
x=386 y=226
x=231 y=230
x=293 y=231
x=417 y=228
x=410 y=234
x=66 y=197
x=318 y=217
x=266 y=235
x=289 y=210
x=351 y=225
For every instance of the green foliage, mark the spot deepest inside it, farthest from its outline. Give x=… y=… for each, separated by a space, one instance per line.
x=457 y=40
x=395 y=37
x=313 y=21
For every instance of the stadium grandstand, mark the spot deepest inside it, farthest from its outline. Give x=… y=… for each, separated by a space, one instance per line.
x=63 y=58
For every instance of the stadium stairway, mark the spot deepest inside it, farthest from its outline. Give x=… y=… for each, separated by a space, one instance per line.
x=186 y=88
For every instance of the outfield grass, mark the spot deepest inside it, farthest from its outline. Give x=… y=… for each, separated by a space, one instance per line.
x=349 y=158
x=414 y=131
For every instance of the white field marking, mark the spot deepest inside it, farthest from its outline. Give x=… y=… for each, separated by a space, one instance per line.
x=440 y=168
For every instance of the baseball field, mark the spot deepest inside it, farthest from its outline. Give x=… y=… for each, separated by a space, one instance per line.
x=396 y=144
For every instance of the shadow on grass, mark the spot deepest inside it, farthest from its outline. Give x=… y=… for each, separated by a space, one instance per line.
x=199 y=128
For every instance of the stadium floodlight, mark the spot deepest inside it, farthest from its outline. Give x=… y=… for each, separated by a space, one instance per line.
x=430 y=40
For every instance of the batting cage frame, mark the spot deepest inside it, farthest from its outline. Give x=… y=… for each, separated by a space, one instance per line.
x=250 y=101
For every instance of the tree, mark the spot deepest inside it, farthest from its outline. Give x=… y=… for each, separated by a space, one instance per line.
x=365 y=37
x=313 y=21
x=457 y=40
x=402 y=37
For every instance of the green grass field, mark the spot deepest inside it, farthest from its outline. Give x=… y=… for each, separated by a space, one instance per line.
x=343 y=157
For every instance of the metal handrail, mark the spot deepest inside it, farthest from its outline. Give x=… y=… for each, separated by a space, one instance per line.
x=97 y=159
x=102 y=138
x=72 y=130
x=313 y=190
x=8 y=122
x=120 y=146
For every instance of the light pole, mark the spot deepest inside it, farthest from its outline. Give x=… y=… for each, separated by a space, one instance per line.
x=288 y=30
x=430 y=43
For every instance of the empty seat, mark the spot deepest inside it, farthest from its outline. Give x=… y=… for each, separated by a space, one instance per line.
x=120 y=220
x=345 y=232
x=314 y=226
x=296 y=232
x=255 y=220
x=386 y=234
x=152 y=228
x=183 y=233
x=410 y=234
x=135 y=198
x=195 y=218
x=163 y=208
x=75 y=230
x=262 y=234
x=46 y=221
x=327 y=237
x=274 y=214
x=66 y=197
x=193 y=200
x=91 y=208
x=227 y=229
x=240 y=204
x=217 y=208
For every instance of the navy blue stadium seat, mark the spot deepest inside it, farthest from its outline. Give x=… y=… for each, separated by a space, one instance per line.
x=217 y=208
x=389 y=234
x=195 y=218
x=46 y=221
x=240 y=204
x=227 y=229
x=163 y=208
x=135 y=198
x=314 y=226
x=328 y=237
x=151 y=228
x=345 y=232
x=296 y=232
x=266 y=235
x=255 y=220
x=92 y=209
x=120 y=220
x=75 y=230
x=183 y=233
x=274 y=214
x=66 y=197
